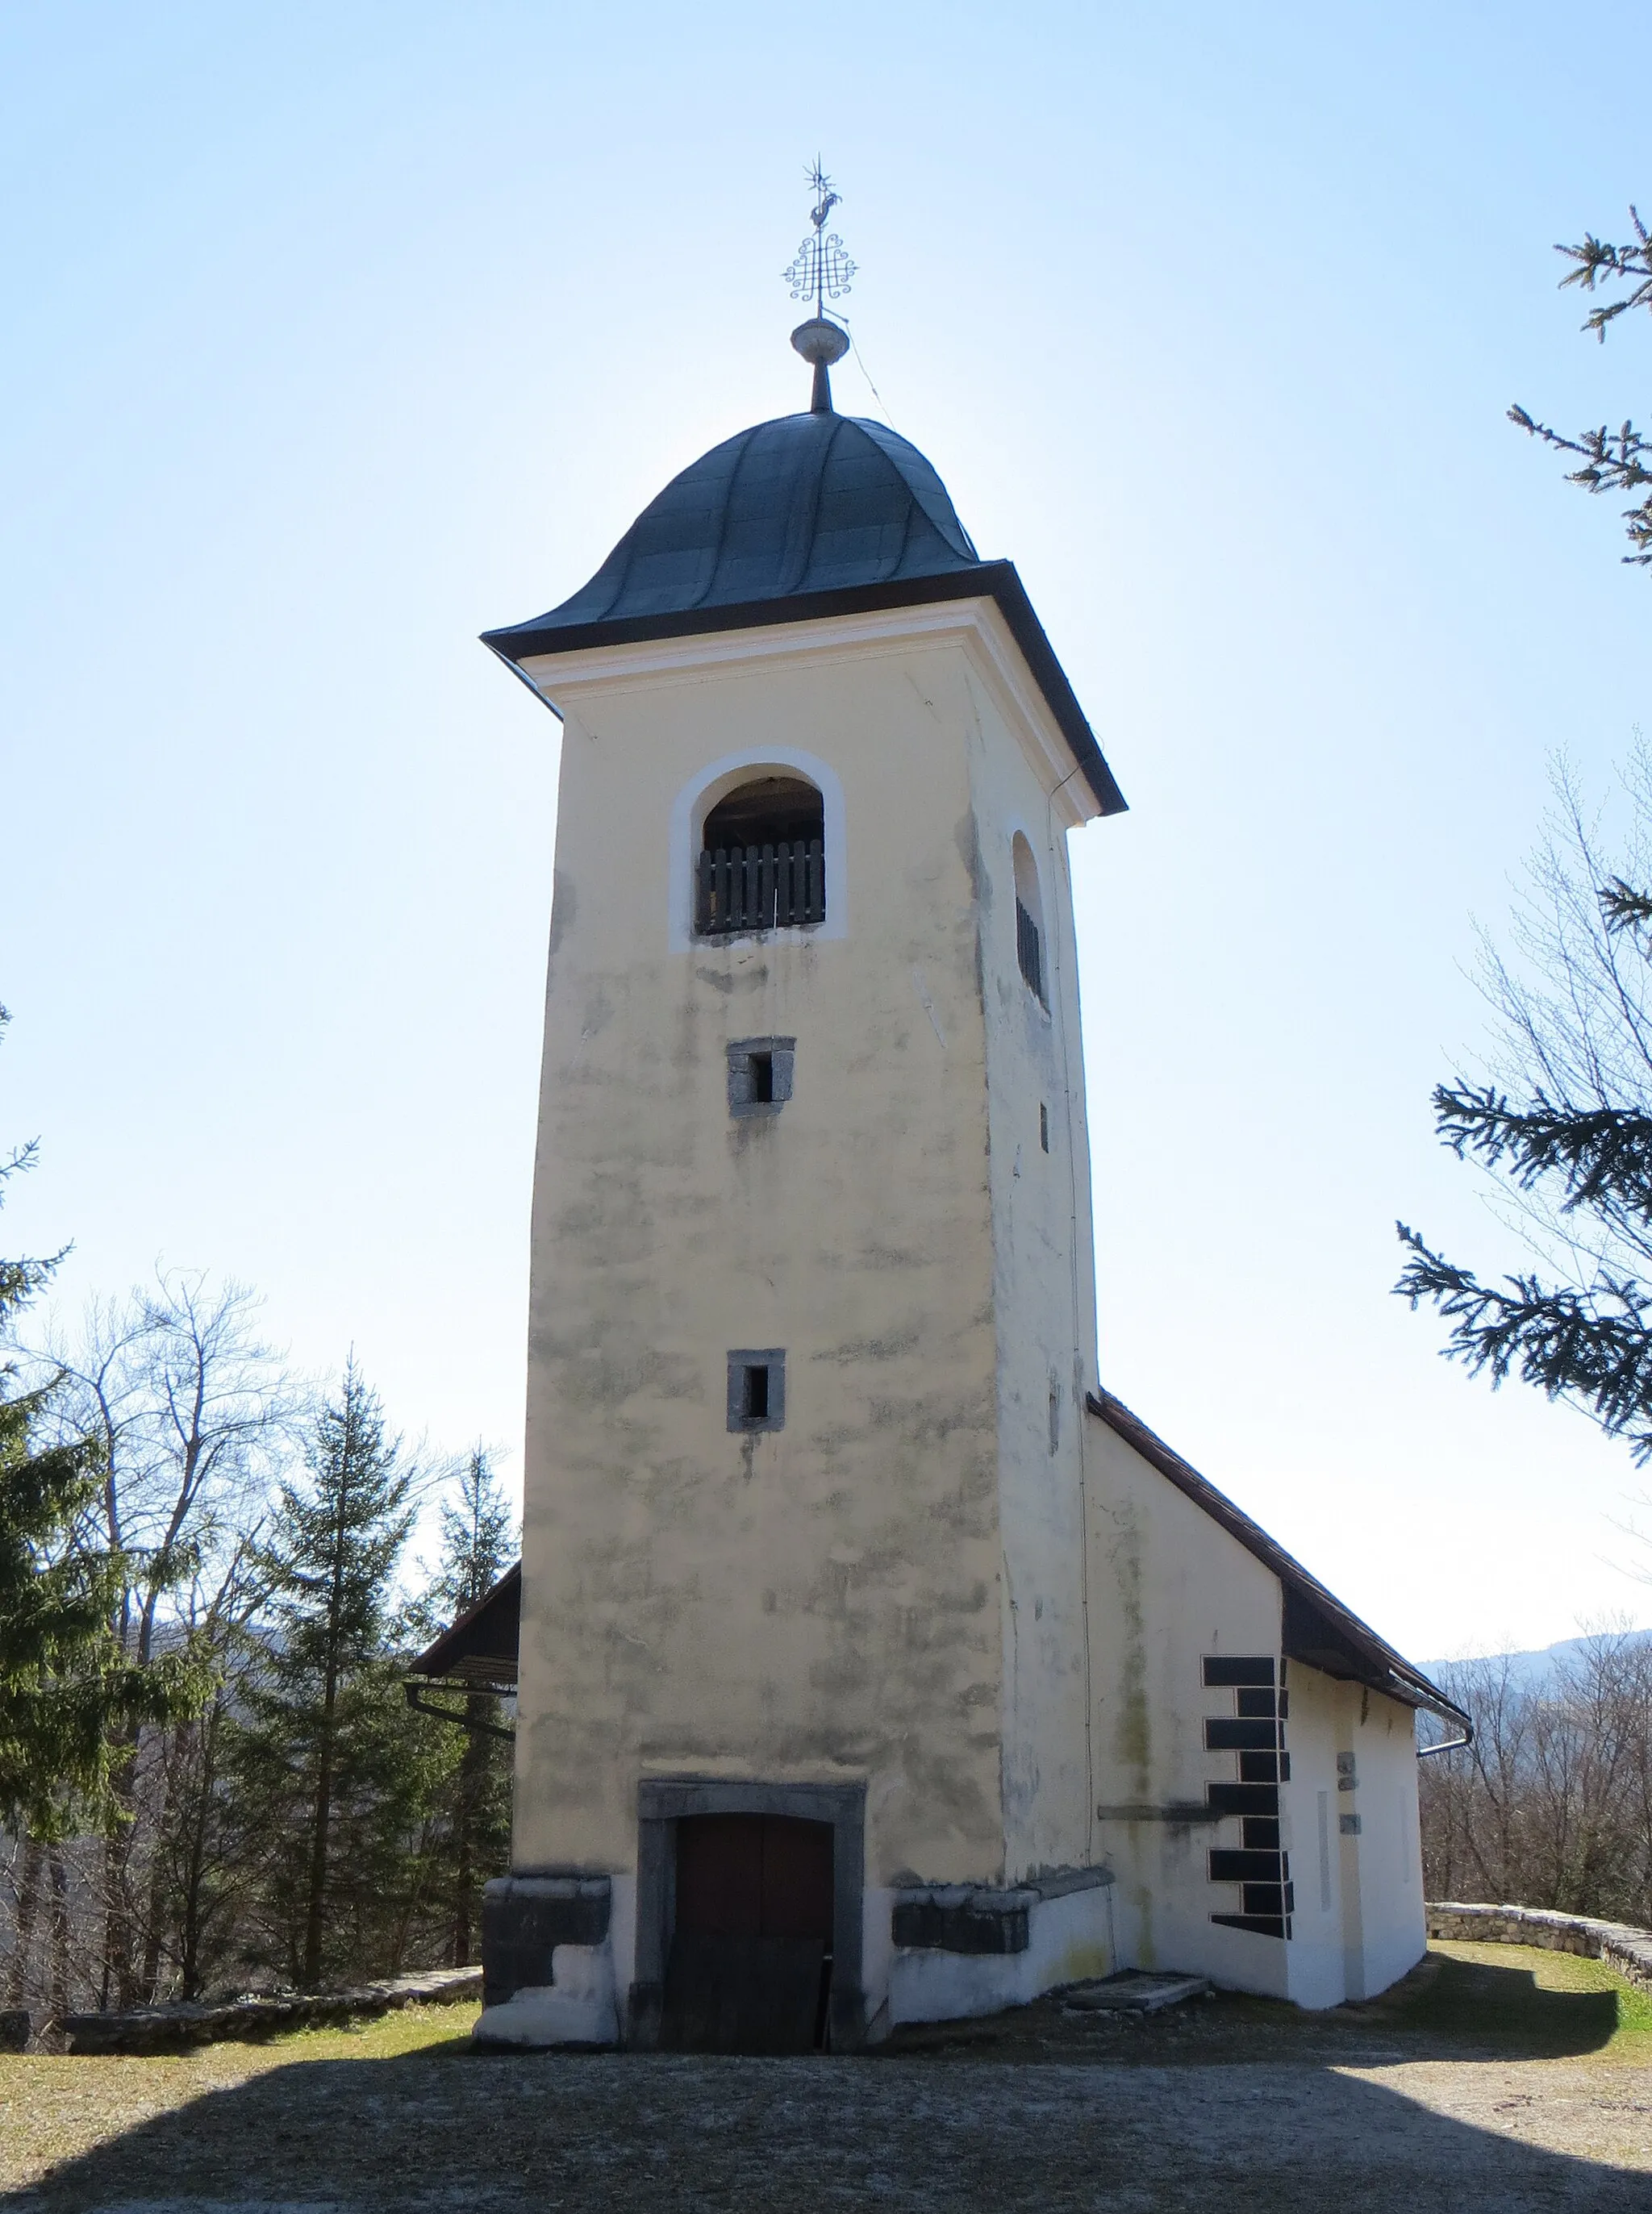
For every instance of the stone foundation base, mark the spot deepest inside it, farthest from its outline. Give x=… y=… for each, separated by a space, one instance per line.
x=960 y=1951
x=576 y=2007
x=548 y=1961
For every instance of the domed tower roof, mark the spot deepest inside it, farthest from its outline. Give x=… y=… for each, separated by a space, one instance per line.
x=805 y=503
x=804 y=516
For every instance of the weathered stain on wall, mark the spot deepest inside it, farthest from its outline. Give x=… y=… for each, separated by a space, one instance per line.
x=1126 y=1695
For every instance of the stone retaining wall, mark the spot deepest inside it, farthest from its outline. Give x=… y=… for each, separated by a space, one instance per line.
x=164 y=2029
x=1628 y=1951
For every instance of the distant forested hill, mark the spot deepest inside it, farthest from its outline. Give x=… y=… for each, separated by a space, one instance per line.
x=1537 y=1672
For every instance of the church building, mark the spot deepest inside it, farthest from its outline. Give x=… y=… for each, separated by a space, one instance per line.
x=875 y=1664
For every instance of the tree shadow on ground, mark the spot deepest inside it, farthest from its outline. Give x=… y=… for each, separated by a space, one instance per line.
x=504 y=2134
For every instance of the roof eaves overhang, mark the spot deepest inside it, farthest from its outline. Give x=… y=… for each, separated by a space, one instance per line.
x=994 y=580
x=480 y=1649
x=1318 y=1630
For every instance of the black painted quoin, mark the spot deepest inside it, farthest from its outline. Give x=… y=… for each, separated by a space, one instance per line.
x=1253 y=1731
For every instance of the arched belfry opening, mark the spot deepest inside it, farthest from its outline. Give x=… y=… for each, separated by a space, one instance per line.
x=1029 y=941
x=762 y=863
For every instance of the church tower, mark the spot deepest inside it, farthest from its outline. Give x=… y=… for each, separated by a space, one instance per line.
x=803 y=1652
x=875 y=1664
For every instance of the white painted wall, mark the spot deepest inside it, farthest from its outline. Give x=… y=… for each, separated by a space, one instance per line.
x=1360 y=1923
x=1317 y=1969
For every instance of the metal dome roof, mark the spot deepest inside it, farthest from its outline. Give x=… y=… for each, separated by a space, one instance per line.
x=808 y=516
x=805 y=503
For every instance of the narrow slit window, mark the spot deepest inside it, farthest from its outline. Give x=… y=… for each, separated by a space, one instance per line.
x=1043 y=1126
x=1028 y=921
x=1029 y=950
x=760 y=1074
x=757 y=1388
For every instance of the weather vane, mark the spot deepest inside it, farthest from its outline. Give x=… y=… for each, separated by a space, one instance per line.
x=821 y=268
x=821 y=271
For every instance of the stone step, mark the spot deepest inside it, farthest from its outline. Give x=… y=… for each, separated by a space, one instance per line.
x=1132 y=1991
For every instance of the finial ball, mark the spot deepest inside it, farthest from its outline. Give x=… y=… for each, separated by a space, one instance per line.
x=818 y=340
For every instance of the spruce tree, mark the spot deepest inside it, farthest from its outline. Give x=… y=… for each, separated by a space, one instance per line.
x=1564 y=1127
x=322 y=1756
x=478 y=1544
x=65 y=1684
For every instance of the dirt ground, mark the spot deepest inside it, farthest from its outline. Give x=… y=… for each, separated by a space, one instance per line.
x=1494 y=2077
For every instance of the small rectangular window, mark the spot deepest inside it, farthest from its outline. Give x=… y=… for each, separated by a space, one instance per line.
x=1043 y=1126
x=757 y=1396
x=760 y=1074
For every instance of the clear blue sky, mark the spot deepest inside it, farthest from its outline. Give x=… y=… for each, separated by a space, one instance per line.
x=337 y=333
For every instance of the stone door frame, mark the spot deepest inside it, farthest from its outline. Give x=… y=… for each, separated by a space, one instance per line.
x=664 y=1800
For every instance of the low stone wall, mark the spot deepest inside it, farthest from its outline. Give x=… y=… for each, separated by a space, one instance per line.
x=1628 y=1951
x=164 y=2029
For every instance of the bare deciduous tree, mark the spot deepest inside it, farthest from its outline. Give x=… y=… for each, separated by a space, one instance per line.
x=1551 y=1805
x=193 y=1413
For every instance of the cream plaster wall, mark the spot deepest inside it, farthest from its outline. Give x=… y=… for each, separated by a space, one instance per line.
x=825 y=1601
x=1168 y=1586
x=940 y=1578
x=1044 y=1301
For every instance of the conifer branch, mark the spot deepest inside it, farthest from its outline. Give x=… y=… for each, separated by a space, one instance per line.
x=1613 y=460
x=1601 y=1154
x=1592 y=1345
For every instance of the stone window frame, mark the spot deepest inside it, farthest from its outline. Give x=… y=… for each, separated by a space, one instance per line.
x=771 y=1357
x=664 y=1800
x=782 y=1054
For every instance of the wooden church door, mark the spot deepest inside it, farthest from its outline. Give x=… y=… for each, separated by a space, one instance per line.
x=749 y=1967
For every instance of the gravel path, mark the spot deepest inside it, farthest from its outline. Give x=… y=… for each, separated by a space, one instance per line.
x=667 y=2133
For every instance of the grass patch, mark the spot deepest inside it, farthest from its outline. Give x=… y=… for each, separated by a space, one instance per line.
x=382 y=2037
x=53 y=2107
